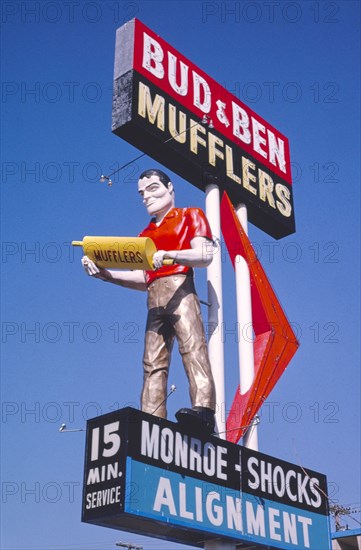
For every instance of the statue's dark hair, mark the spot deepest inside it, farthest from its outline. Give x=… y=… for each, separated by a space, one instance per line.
x=155 y=172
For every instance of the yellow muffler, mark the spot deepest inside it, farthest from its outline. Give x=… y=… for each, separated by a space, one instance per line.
x=120 y=252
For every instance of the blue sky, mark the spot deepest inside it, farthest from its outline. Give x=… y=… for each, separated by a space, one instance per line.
x=72 y=346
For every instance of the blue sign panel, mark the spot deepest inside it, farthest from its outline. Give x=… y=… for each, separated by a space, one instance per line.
x=167 y=496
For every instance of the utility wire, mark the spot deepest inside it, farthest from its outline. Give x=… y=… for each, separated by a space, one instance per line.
x=334 y=508
x=103 y=178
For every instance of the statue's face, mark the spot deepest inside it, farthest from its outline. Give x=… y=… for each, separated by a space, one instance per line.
x=157 y=198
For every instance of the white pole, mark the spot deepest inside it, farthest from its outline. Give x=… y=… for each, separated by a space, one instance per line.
x=244 y=318
x=241 y=211
x=215 y=327
x=215 y=310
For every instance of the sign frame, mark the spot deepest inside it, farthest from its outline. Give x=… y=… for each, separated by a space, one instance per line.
x=233 y=147
x=146 y=475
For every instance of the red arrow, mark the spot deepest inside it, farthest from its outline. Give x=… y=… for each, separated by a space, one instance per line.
x=275 y=342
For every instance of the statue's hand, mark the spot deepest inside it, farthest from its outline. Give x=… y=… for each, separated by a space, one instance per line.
x=89 y=266
x=158 y=258
x=92 y=269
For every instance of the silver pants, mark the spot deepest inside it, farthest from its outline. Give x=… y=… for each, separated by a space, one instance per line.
x=174 y=311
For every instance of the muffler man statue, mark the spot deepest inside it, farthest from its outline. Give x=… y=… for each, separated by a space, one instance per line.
x=184 y=236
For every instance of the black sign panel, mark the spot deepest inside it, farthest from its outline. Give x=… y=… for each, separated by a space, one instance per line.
x=155 y=123
x=104 y=474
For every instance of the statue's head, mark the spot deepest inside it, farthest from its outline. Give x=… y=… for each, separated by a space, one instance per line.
x=157 y=192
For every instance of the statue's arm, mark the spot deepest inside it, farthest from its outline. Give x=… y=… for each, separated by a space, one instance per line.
x=128 y=279
x=199 y=255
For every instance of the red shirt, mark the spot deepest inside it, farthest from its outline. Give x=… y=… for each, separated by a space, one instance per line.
x=175 y=232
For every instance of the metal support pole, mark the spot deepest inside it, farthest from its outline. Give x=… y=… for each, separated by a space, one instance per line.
x=215 y=310
x=244 y=317
x=219 y=545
